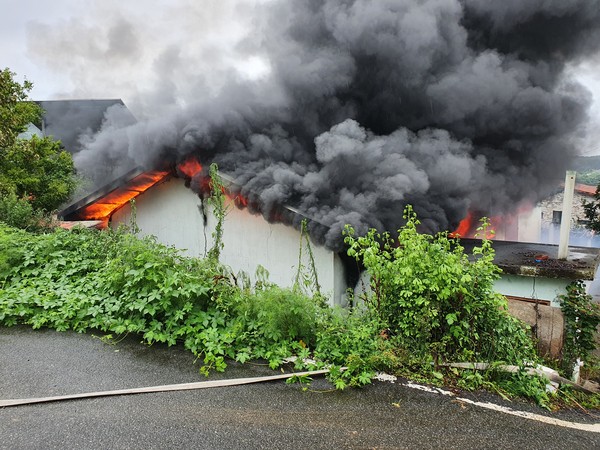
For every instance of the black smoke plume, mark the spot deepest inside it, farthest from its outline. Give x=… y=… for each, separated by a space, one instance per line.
x=447 y=105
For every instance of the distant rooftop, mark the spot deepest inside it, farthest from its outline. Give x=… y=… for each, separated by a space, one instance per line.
x=540 y=260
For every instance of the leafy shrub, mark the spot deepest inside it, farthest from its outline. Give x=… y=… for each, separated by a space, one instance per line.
x=279 y=315
x=582 y=317
x=118 y=283
x=429 y=301
x=11 y=249
x=107 y=280
x=435 y=299
x=18 y=212
x=352 y=339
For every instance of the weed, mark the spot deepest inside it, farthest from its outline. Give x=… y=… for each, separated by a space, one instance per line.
x=581 y=320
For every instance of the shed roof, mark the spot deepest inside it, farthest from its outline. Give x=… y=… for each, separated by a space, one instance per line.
x=540 y=260
x=102 y=203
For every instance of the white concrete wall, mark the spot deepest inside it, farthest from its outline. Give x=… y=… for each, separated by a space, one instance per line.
x=172 y=213
x=532 y=287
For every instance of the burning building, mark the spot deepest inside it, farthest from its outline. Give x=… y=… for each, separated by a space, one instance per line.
x=176 y=215
x=451 y=106
x=171 y=206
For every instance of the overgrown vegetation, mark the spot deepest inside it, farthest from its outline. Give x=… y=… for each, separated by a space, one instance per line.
x=436 y=300
x=220 y=210
x=436 y=305
x=581 y=321
x=428 y=303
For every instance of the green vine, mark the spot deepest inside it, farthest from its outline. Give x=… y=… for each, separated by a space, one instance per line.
x=133 y=226
x=220 y=210
x=310 y=279
x=581 y=320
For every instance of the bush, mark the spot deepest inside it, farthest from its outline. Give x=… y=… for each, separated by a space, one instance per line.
x=429 y=302
x=352 y=339
x=582 y=317
x=18 y=212
x=109 y=280
x=435 y=299
x=279 y=315
x=118 y=283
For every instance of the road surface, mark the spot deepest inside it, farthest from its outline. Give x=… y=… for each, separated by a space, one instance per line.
x=271 y=415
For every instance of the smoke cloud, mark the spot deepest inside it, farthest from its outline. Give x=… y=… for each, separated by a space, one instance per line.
x=353 y=108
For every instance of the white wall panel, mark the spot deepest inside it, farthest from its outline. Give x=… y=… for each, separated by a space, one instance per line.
x=169 y=211
x=172 y=213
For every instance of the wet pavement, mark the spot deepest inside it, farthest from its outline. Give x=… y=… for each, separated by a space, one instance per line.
x=270 y=415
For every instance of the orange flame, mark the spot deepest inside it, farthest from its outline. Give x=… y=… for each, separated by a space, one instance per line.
x=104 y=207
x=190 y=167
x=464 y=227
x=467 y=228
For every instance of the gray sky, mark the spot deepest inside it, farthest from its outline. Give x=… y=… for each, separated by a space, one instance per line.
x=165 y=51
x=134 y=50
x=17 y=14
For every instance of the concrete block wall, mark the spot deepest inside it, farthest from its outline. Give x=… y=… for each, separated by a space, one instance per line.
x=547 y=324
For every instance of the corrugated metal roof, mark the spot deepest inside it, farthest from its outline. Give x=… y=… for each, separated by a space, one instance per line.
x=101 y=204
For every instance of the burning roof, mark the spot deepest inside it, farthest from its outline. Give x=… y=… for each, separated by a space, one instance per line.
x=524 y=259
x=101 y=204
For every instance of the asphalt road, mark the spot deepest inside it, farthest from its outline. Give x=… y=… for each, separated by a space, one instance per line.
x=268 y=415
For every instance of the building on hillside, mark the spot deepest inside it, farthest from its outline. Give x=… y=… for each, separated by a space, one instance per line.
x=550 y=211
x=533 y=279
x=541 y=223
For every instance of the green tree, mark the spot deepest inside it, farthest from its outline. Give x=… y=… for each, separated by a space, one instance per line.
x=15 y=111
x=37 y=170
